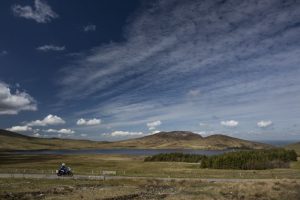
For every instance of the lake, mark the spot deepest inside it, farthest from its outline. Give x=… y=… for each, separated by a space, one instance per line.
x=139 y=152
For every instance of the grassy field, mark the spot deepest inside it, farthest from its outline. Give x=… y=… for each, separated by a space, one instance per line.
x=147 y=189
x=284 y=183
x=132 y=166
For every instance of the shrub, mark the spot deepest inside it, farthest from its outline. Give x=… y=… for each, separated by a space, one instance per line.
x=175 y=157
x=249 y=159
x=254 y=159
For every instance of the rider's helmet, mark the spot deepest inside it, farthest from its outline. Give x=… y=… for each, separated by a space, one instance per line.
x=63 y=164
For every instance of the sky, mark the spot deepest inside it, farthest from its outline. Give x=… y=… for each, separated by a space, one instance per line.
x=114 y=69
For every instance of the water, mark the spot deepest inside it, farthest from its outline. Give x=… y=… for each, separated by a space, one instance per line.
x=278 y=143
x=138 y=152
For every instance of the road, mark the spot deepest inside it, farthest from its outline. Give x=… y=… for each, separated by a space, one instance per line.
x=54 y=176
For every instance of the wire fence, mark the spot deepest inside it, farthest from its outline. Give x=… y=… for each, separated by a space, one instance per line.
x=54 y=171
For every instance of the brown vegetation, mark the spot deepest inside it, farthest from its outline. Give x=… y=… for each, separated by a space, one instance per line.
x=162 y=140
x=148 y=189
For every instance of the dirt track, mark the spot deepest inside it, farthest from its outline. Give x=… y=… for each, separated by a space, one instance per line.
x=54 y=176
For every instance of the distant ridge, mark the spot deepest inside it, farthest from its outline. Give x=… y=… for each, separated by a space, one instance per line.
x=190 y=140
x=175 y=135
x=12 y=134
x=15 y=141
x=162 y=140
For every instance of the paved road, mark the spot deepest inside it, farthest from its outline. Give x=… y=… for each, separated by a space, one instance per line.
x=54 y=176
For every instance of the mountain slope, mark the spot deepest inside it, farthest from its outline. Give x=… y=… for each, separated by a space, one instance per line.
x=294 y=146
x=162 y=140
x=14 y=141
x=189 y=140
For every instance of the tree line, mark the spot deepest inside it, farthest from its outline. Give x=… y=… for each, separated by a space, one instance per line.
x=249 y=159
x=175 y=157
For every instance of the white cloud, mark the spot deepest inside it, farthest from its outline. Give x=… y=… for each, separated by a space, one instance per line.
x=3 y=53
x=230 y=123
x=90 y=27
x=36 y=135
x=125 y=133
x=202 y=133
x=41 y=13
x=208 y=133
x=83 y=135
x=13 y=103
x=194 y=92
x=153 y=125
x=51 y=47
x=243 y=83
x=62 y=131
x=48 y=120
x=66 y=131
x=154 y=132
x=88 y=122
x=51 y=130
x=264 y=124
x=205 y=125
x=19 y=128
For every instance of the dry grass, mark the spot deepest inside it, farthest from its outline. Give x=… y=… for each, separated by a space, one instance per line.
x=29 y=143
x=131 y=166
x=151 y=189
x=142 y=189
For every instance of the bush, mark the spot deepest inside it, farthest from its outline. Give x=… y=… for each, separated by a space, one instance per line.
x=249 y=159
x=254 y=159
x=175 y=157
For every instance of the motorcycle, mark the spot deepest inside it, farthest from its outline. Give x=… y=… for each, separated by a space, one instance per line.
x=64 y=172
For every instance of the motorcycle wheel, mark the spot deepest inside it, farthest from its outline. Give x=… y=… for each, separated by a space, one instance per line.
x=70 y=174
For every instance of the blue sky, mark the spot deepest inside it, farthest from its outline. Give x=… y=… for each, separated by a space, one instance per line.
x=110 y=70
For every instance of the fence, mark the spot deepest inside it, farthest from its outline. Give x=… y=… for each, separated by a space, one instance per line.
x=47 y=171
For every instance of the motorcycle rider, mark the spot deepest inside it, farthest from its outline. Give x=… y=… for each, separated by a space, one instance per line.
x=63 y=167
x=64 y=170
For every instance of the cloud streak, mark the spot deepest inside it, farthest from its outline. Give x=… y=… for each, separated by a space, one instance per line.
x=62 y=131
x=50 y=47
x=153 y=125
x=89 y=28
x=264 y=124
x=125 y=133
x=230 y=123
x=88 y=122
x=3 y=53
x=41 y=12
x=241 y=55
x=20 y=129
x=48 y=120
x=13 y=103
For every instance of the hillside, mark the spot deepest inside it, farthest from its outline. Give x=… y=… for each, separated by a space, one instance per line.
x=189 y=140
x=14 y=141
x=294 y=146
x=162 y=140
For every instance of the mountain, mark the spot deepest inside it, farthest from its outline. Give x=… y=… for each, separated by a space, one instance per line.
x=294 y=146
x=163 y=140
x=14 y=141
x=189 y=140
